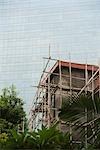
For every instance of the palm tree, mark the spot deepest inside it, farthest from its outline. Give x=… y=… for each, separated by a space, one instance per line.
x=41 y=140
x=83 y=113
x=50 y=138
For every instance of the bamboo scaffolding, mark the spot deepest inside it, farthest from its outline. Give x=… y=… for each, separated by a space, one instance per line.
x=46 y=89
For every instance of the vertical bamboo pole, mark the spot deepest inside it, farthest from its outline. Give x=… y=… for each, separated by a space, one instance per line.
x=49 y=51
x=45 y=106
x=49 y=94
x=86 y=80
x=42 y=105
x=49 y=102
x=93 y=130
x=92 y=83
x=86 y=77
x=60 y=83
x=99 y=80
x=38 y=107
x=70 y=78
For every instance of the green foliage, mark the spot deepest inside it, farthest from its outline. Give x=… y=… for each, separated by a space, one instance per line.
x=11 y=109
x=83 y=113
x=3 y=139
x=16 y=141
x=44 y=139
x=63 y=140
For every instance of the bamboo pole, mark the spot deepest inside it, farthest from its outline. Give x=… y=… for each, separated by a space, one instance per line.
x=49 y=102
x=88 y=82
x=60 y=96
x=70 y=78
x=99 y=78
x=86 y=130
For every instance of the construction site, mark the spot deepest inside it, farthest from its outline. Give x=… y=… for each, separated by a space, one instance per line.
x=63 y=79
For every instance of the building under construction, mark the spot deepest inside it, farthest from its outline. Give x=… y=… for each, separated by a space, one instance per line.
x=62 y=80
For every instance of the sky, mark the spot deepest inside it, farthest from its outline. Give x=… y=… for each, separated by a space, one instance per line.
x=28 y=27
